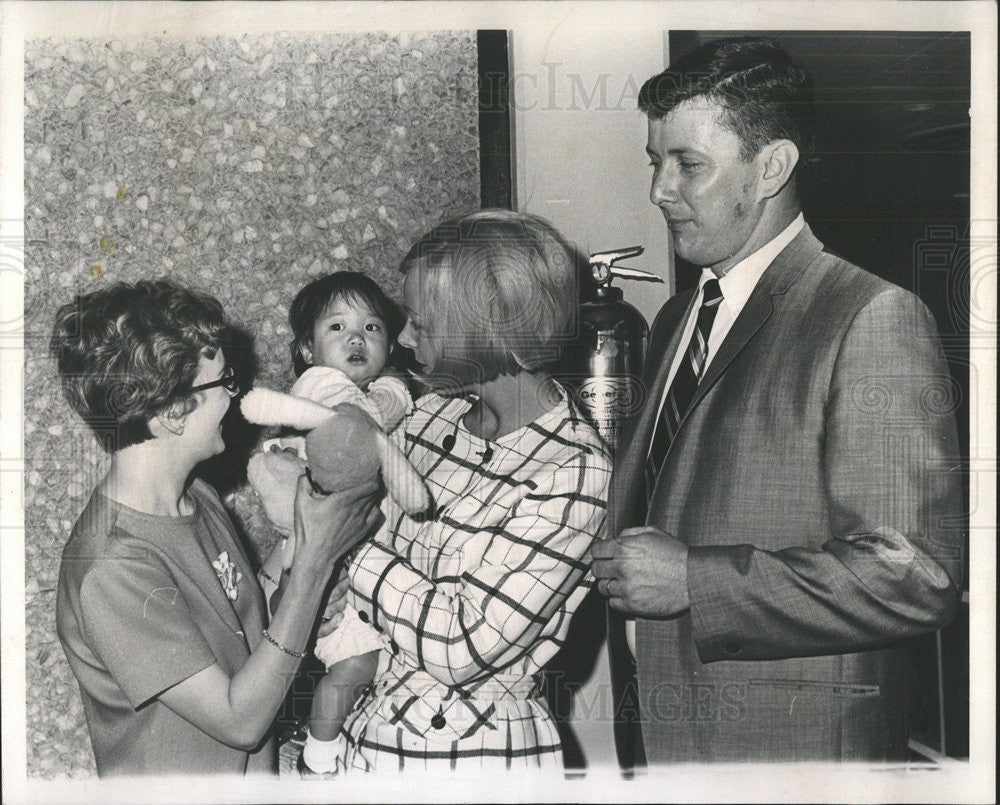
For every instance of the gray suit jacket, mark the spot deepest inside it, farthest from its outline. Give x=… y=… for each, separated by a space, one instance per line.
x=815 y=480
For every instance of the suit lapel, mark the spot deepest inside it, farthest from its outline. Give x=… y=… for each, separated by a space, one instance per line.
x=665 y=341
x=665 y=338
x=755 y=312
x=774 y=282
x=631 y=460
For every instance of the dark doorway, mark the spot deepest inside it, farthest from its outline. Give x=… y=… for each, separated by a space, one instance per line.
x=496 y=176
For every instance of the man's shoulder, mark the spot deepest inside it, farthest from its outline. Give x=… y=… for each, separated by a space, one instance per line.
x=837 y=282
x=832 y=260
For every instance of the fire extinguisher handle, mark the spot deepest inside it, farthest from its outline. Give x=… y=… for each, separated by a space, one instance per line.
x=603 y=268
x=611 y=257
x=634 y=274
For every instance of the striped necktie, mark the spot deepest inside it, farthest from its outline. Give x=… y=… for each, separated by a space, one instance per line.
x=684 y=385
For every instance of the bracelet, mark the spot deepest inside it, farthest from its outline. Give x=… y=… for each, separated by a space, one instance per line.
x=264 y=574
x=297 y=654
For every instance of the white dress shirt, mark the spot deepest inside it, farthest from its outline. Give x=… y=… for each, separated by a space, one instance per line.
x=736 y=285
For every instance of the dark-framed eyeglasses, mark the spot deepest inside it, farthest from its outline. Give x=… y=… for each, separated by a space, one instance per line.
x=229 y=380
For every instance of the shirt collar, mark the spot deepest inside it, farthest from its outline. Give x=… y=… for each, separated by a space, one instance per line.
x=739 y=282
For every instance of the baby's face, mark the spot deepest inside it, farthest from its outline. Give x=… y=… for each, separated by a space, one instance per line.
x=350 y=337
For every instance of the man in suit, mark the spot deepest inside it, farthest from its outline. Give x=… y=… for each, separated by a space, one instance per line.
x=784 y=508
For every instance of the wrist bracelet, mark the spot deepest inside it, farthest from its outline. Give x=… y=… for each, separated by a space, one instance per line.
x=264 y=574
x=297 y=654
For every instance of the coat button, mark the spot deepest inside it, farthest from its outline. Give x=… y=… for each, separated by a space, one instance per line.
x=438 y=721
x=363 y=615
x=732 y=649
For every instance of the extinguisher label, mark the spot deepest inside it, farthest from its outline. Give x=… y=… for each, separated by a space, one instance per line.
x=609 y=401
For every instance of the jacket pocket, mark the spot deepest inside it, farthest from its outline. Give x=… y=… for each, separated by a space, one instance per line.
x=850 y=690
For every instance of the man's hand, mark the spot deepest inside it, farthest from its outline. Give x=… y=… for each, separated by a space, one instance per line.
x=642 y=571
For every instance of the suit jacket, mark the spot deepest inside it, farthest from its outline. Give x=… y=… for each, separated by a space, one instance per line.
x=815 y=480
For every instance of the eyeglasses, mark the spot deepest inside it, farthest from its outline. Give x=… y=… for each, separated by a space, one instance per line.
x=229 y=380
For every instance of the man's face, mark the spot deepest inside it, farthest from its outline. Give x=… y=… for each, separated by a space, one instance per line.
x=706 y=192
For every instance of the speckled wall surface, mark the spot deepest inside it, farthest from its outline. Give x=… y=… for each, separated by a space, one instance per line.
x=241 y=166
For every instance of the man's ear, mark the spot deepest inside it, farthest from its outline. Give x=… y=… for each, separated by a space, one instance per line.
x=777 y=160
x=170 y=422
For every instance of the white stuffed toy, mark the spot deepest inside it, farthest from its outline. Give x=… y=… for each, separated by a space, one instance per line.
x=343 y=447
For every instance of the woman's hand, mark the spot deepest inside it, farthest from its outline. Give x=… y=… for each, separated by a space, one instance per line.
x=238 y=708
x=327 y=526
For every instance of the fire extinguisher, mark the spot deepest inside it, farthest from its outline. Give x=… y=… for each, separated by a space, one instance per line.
x=604 y=367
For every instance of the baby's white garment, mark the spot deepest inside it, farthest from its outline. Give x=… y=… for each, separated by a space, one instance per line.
x=387 y=400
x=352 y=638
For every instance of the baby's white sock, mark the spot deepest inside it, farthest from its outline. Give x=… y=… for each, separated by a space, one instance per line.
x=320 y=756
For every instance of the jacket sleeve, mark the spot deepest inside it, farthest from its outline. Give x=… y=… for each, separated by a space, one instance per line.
x=892 y=566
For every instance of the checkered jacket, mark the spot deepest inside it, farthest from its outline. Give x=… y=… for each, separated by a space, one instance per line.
x=476 y=596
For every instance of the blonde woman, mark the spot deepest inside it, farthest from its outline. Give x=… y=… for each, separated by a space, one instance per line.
x=475 y=597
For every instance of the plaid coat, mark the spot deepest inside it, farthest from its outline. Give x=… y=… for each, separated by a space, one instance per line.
x=477 y=596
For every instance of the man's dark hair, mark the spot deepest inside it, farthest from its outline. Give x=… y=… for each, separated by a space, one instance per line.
x=765 y=96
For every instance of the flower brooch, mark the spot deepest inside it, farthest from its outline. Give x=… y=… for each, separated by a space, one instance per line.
x=229 y=575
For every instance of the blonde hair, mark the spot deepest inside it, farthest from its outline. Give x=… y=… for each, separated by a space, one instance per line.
x=500 y=289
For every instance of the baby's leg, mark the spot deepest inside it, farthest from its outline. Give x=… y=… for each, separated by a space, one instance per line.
x=335 y=695
x=337 y=692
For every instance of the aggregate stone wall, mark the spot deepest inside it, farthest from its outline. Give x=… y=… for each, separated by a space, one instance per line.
x=244 y=167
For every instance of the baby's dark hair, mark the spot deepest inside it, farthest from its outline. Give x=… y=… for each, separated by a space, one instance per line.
x=351 y=286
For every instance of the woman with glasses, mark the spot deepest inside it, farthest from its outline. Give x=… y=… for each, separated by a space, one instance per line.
x=160 y=615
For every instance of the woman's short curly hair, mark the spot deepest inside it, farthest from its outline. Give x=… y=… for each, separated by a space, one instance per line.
x=128 y=352
x=502 y=287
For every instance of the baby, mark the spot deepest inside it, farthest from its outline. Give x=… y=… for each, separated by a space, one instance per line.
x=344 y=327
